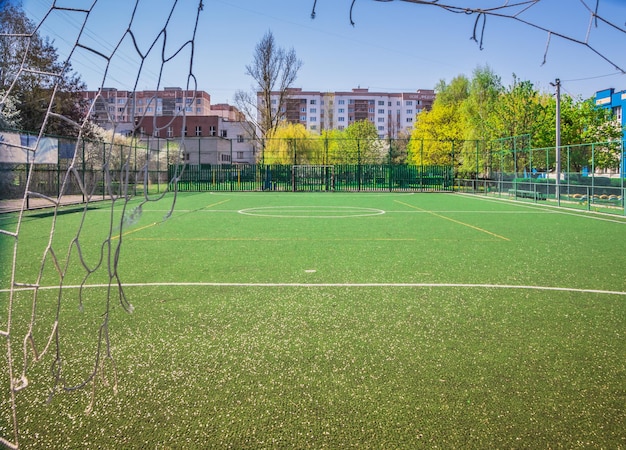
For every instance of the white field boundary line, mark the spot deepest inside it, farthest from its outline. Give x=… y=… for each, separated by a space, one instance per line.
x=554 y=209
x=348 y=285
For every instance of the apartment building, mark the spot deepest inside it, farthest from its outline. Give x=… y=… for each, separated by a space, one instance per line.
x=390 y=113
x=119 y=106
x=615 y=101
x=159 y=114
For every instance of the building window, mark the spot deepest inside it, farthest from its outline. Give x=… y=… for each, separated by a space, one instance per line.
x=381 y=128
x=341 y=102
x=313 y=102
x=185 y=131
x=225 y=157
x=212 y=130
x=341 y=110
x=198 y=101
x=341 y=119
x=273 y=101
x=313 y=127
x=188 y=109
x=156 y=133
x=224 y=133
x=313 y=119
x=198 y=110
x=240 y=138
x=381 y=120
x=341 y=127
x=240 y=155
x=303 y=118
x=302 y=110
x=149 y=109
x=409 y=103
x=381 y=103
x=170 y=132
x=409 y=119
x=186 y=156
x=198 y=130
x=409 y=111
x=313 y=110
x=381 y=111
x=120 y=101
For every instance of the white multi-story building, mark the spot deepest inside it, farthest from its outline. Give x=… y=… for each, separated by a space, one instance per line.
x=389 y=112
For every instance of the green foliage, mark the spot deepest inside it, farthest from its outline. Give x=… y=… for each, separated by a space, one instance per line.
x=35 y=90
x=359 y=143
x=512 y=119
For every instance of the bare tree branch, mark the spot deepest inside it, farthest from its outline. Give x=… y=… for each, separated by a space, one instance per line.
x=514 y=11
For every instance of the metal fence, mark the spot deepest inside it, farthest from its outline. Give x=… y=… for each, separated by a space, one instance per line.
x=82 y=167
x=299 y=178
x=589 y=176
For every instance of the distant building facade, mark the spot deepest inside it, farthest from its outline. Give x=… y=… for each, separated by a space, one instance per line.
x=174 y=113
x=615 y=101
x=390 y=113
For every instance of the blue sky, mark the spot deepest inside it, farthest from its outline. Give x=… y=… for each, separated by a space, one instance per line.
x=393 y=46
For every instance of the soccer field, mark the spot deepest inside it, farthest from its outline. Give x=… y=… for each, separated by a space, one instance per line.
x=310 y=320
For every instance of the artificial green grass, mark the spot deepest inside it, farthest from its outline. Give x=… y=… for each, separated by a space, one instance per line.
x=247 y=367
x=293 y=363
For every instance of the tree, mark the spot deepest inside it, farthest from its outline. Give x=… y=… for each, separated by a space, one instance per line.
x=30 y=67
x=439 y=133
x=274 y=71
x=9 y=114
x=358 y=144
x=291 y=143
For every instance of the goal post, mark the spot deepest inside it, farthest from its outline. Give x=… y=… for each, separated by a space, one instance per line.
x=313 y=177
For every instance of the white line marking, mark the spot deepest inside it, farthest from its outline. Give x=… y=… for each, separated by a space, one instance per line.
x=551 y=208
x=349 y=285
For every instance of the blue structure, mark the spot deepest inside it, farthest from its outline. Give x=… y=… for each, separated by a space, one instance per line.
x=616 y=102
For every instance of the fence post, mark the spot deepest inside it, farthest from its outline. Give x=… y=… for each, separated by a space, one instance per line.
x=84 y=168
x=390 y=171
x=358 y=156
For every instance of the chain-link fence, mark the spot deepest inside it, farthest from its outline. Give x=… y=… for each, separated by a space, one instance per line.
x=591 y=175
x=102 y=169
x=586 y=176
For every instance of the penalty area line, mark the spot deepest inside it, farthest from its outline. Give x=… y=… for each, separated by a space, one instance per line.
x=342 y=285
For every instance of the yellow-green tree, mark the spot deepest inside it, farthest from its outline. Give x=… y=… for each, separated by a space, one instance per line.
x=438 y=134
x=291 y=143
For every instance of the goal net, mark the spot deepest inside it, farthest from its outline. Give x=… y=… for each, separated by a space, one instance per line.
x=35 y=293
x=313 y=177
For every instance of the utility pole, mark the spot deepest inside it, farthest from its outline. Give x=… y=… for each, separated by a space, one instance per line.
x=557 y=85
